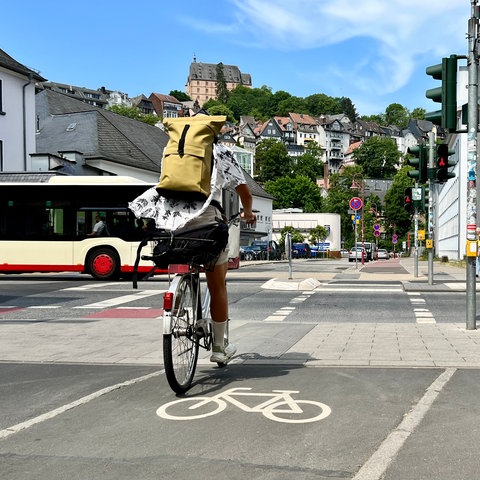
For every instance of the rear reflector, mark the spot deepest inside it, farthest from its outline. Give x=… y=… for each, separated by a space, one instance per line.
x=168 y=301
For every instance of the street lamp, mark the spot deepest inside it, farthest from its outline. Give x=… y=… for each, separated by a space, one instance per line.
x=355 y=186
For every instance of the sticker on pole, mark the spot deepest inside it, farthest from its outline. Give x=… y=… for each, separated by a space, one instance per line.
x=356 y=203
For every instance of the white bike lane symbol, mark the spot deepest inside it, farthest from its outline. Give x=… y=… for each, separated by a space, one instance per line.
x=279 y=406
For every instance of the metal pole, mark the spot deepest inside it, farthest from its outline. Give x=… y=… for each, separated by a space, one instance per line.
x=288 y=251
x=431 y=164
x=472 y=167
x=415 y=242
x=363 y=221
x=356 y=239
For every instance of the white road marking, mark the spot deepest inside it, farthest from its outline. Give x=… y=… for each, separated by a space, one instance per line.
x=91 y=286
x=376 y=466
x=112 y=302
x=81 y=401
x=376 y=289
x=422 y=315
x=44 y=306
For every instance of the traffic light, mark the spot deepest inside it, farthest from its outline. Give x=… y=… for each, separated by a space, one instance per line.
x=446 y=94
x=408 y=201
x=419 y=161
x=425 y=194
x=442 y=163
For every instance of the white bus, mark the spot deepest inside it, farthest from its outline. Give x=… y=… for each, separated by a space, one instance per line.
x=44 y=226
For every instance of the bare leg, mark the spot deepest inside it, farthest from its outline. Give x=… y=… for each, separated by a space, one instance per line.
x=219 y=301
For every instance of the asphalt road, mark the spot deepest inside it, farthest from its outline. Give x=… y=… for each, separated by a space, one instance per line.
x=83 y=393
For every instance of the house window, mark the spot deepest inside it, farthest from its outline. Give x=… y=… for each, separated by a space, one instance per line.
x=1 y=99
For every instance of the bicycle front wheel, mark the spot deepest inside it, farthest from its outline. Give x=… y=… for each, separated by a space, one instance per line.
x=180 y=346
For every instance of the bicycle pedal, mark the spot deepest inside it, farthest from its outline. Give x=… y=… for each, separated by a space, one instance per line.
x=201 y=328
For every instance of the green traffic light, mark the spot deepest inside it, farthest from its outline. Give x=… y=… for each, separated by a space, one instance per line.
x=419 y=162
x=446 y=94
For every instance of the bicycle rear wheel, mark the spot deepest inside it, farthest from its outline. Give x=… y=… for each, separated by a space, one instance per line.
x=180 y=347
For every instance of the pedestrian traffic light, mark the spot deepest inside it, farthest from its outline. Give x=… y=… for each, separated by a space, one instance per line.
x=425 y=194
x=408 y=200
x=446 y=94
x=442 y=163
x=419 y=160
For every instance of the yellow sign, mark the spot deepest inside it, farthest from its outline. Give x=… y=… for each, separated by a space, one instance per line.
x=421 y=234
x=472 y=248
x=429 y=243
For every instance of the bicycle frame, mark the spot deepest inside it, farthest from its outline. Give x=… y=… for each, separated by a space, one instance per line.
x=193 y=271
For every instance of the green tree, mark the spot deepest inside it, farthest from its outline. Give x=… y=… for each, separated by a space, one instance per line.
x=338 y=199
x=309 y=164
x=396 y=114
x=296 y=192
x=296 y=236
x=221 y=90
x=271 y=160
x=418 y=114
x=135 y=113
x=291 y=104
x=318 y=234
x=348 y=108
x=396 y=217
x=180 y=96
x=378 y=157
x=221 y=110
x=378 y=118
x=321 y=104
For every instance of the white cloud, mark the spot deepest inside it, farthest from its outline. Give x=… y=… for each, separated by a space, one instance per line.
x=402 y=31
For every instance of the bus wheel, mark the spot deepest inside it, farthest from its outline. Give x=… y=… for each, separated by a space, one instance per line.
x=103 y=264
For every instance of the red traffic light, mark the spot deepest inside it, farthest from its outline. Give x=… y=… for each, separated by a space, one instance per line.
x=408 y=200
x=442 y=163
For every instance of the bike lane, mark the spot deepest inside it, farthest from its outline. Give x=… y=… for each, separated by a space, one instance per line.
x=348 y=414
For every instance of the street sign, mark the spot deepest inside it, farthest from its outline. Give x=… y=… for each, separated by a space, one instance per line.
x=421 y=234
x=417 y=194
x=376 y=226
x=376 y=233
x=394 y=239
x=356 y=203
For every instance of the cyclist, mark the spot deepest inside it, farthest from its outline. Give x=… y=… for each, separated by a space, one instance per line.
x=172 y=214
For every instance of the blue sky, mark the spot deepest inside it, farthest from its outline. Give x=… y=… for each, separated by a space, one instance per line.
x=372 y=51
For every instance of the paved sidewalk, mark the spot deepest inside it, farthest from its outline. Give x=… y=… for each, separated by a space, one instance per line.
x=388 y=344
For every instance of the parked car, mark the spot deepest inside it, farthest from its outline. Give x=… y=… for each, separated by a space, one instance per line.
x=252 y=252
x=356 y=253
x=382 y=254
x=274 y=252
x=301 y=250
x=344 y=253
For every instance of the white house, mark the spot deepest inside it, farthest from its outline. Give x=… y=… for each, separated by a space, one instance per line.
x=304 y=222
x=17 y=114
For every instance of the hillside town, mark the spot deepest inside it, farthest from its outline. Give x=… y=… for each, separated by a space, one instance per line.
x=67 y=129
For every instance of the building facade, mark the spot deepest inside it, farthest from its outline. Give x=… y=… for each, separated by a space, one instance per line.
x=202 y=80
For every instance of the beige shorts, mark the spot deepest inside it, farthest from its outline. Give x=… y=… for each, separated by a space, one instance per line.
x=207 y=217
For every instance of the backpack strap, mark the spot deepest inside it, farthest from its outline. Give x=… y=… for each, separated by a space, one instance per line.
x=181 y=142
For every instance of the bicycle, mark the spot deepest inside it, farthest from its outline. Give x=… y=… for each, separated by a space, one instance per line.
x=186 y=323
x=278 y=406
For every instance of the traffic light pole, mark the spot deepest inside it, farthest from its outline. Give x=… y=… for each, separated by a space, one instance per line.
x=431 y=165
x=415 y=241
x=472 y=159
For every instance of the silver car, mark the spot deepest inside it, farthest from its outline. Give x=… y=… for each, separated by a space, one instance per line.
x=382 y=254
x=356 y=253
